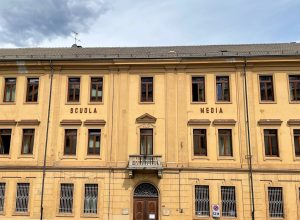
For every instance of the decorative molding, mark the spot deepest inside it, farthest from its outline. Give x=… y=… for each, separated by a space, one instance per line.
x=224 y=122
x=70 y=122
x=269 y=122
x=29 y=122
x=145 y=118
x=293 y=122
x=94 y=122
x=199 y=122
x=8 y=122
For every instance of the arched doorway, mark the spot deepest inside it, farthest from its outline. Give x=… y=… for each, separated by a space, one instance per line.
x=145 y=202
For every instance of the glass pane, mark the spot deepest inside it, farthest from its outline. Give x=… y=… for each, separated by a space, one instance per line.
x=149 y=145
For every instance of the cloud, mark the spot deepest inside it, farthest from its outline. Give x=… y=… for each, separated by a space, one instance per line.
x=27 y=23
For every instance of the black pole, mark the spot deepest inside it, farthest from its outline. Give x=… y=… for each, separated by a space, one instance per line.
x=249 y=157
x=46 y=142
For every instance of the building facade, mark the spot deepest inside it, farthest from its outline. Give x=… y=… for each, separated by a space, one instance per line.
x=150 y=133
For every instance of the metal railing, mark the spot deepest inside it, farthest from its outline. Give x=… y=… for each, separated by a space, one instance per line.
x=145 y=162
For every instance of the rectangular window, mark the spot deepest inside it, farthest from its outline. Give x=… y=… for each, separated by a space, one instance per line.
x=2 y=196
x=266 y=88
x=199 y=138
x=146 y=139
x=94 y=141
x=5 y=138
x=66 y=198
x=32 y=89
x=228 y=201
x=146 y=89
x=198 y=89
x=70 y=141
x=294 y=87
x=9 y=90
x=74 y=89
x=225 y=142
x=202 y=207
x=96 y=89
x=271 y=142
x=28 y=140
x=297 y=142
x=223 y=89
x=22 y=198
x=90 y=198
x=275 y=202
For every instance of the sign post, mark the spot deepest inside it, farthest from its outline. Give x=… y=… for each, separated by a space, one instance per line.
x=216 y=211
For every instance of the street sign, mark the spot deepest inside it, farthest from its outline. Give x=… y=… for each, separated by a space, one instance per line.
x=216 y=211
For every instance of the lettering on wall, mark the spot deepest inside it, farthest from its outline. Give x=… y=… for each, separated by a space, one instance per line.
x=211 y=110
x=83 y=110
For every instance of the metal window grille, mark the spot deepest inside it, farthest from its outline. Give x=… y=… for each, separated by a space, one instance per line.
x=22 y=197
x=90 y=198
x=228 y=201
x=66 y=198
x=275 y=202
x=2 y=196
x=202 y=200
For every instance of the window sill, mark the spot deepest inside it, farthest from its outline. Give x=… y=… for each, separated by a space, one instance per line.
x=95 y=103
x=267 y=102
x=200 y=158
x=223 y=102
x=28 y=156
x=69 y=157
x=226 y=158
x=7 y=103
x=5 y=156
x=90 y=157
x=21 y=214
x=140 y=102
x=294 y=102
x=89 y=216
x=65 y=215
x=73 y=103
x=272 y=158
x=195 y=103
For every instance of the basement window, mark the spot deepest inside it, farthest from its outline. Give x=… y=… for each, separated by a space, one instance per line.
x=5 y=138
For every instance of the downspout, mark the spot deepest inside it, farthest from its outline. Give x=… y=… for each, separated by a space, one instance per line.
x=111 y=145
x=46 y=142
x=249 y=156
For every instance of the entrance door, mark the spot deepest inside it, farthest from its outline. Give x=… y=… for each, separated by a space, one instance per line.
x=145 y=202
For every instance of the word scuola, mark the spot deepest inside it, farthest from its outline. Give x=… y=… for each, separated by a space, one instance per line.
x=83 y=110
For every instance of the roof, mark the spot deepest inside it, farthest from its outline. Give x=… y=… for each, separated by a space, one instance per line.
x=204 y=51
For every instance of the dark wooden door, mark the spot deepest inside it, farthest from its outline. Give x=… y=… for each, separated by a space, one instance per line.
x=145 y=208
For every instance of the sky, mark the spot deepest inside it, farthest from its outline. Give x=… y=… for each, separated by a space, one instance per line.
x=119 y=23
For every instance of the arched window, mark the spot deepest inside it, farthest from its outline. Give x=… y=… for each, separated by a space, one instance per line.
x=145 y=190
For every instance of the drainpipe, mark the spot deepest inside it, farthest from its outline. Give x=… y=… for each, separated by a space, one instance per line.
x=46 y=142
x=249 y=156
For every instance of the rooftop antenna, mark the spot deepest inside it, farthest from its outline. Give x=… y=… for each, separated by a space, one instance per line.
x=75 y=39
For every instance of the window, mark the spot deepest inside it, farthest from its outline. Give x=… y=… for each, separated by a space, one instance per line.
x=266 y=88
x=28 y=140
x=223 y=92
x=96 y=89
x=9 y=90
x=5 y=138
x=228 y=201
x=202 y=200
x=22 y=197
x=94 y=141
x=225 y=143
x=295 y=87
x=199 y=138
x=70 y=141
x=2 y=196
x=32 y=89
x=198 y=89
x=146 y=89
x=297 y=142
x=271 y=142
x=66 y=198
x=73 y=89
x=90 y=198
x=275 y=202
x=146 y=140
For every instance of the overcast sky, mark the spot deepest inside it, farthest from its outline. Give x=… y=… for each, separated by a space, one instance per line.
x=49 y=23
